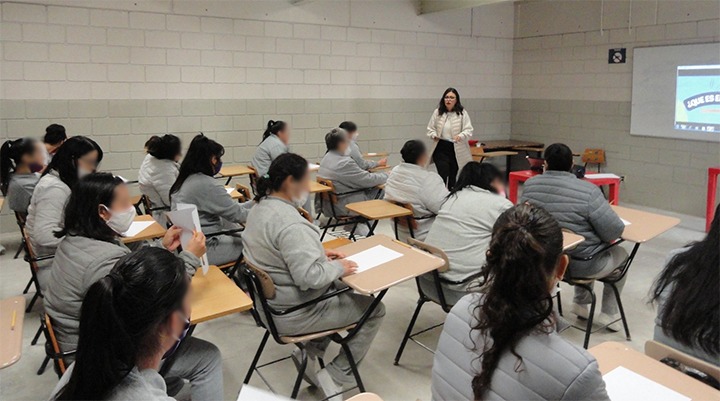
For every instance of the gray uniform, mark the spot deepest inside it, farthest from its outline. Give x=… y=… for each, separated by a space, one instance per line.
x=155 y=178
x=20 y=190
x=145 y=385
x=347 y=176
x=285 y=245
x=552 y=368
x=217 y=212
x=266 y=152
x=79 y=262
x=356 y=155
x=579 y=206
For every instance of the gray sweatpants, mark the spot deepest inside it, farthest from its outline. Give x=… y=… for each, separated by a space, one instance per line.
x=340 y=311
x=224 y=249
x=200 y=363
x=600 y=266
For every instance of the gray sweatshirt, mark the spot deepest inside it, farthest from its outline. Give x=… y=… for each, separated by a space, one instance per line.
x=146 y=385
x=20 y=190
x=45 y=213
x=356 y=155
x=266 y=152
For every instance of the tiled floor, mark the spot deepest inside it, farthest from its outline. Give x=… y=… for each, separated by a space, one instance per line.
x=237 y=337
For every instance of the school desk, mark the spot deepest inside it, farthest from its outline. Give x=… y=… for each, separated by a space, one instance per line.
x=235 y=194
x=571 y=240
x=12 y=315
x=316 y=187
x=376 y=210
x=713 y=173
x=516 y=177
x=365 y=397
x=234 y=171
x=380 y=168
x=610 y=355
x=155 y=230
x=374 y=154
x=508 y=145
x=215 y=295
x=479 y=154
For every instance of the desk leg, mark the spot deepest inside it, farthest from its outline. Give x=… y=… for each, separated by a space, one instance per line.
x=508 y=164
x=228 y=181
x=372 y=228
x=169 y=362
x=614 y=193
x=513 y=190
x=710 y=206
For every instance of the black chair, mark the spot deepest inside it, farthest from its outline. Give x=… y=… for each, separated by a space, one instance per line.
x=262 y=288
x=52 y=348
x=21 y=219
x=331 y=197
x=438 y=282
x=32 y=261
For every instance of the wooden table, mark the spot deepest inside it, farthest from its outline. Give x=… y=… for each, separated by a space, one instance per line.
x=376 y=210
x=380 y=168
x=516 y=177
x=644 y=225
x=214 y=295
x=155 y=230
x=235 y=171
x=365 y=397
x=610 y=355
x=316 y=187
x=571 y=240
x=508 y=145
x=374 y=154
x=12 y=315
x=481 y=154
x=234 y=193
x=713 y=173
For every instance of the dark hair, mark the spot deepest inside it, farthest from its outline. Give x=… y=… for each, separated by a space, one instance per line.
x=412 y=150
x=81 y=211
x=334 y=138
x=525 y=247
x=458 y=106
x=284 y=166
x=273 y=127
x=690 y=313
x=11 y=155
x=198 y=159
x=348 y=126
x=65 y=160
x=54 y=134
x=120 y=320
x=166 y=147
x=476 y=174
x=559 y=157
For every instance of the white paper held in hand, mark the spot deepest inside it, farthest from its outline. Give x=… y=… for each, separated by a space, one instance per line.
x=627 y=223
x=137 y=227
x=623 y=384
x=373 y=257
x=250 y=393
x=186 y=217
x=229 y=190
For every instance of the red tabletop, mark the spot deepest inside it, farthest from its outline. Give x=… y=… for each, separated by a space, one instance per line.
x=517 y=177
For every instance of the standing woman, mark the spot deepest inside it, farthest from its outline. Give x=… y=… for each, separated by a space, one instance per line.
x=450 y=128
x=158 y=171
x=20 y=162
x=274 y=143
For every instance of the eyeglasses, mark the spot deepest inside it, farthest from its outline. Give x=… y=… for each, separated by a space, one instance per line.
x=450 y=98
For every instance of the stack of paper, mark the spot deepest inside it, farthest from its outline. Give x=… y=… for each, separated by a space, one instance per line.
x=249 y=393
x=186 y=217
x=623 y=384
x=373 y=257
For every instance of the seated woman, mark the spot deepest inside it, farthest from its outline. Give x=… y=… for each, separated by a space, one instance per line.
x=158 y=172
x=353 y=182
x=463 y=227
x=687 y=293
x=274 y=143
x=76 y=157
x=501 y=344
x=411 y=183
x=21 y=160
x=55 y=136
x=218 y=211
x=131 y=320
x=355 y=153
x=285 y=245
x=98 y=212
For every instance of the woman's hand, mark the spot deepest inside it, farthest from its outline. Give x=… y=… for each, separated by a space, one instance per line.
x=196 y=245
x=171 y=239
x=382 y=162
x=457 y=138
x=332 y=254
x=349 y=267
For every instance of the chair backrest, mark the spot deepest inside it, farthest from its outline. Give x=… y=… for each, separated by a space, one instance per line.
x=244 y=191
x=253 y=179
x=330 y=196
x=658 y=351
x=31 y=257
x=264 y=281
x=432 y=250
x=593 y=156
x=405 y=221
x=20 y=219
x=52 y=340
x=146 y=204
x=305 y=214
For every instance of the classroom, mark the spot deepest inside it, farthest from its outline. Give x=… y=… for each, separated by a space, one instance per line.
x=363 y=200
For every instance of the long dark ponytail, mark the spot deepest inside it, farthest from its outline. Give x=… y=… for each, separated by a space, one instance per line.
x=198 y=159
x=65 y=161
x=273 y=127
x=11 y=154
x=524 y=250
x=476 y=174
x=120 y=319
x=284 y=166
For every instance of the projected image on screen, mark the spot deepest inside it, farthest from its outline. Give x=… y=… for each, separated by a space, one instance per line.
x=697 y=100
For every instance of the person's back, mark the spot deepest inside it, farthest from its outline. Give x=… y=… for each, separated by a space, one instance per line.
x=155 y=178
x=201 y=190
x=268 y=150
x=20 y=191
x=145 y=385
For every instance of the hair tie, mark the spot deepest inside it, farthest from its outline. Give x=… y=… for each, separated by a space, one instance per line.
x=266 y=176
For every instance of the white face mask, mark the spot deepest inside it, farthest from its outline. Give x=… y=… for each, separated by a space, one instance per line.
x=300 y=201
x=82 y=172
x=120 y=221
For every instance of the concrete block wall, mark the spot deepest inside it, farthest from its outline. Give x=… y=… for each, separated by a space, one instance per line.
x=564 y=90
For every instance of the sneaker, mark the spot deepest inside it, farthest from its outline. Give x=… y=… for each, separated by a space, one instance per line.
x=604 y=319
x=581 y=311
x=329 y=386
x=310 y=374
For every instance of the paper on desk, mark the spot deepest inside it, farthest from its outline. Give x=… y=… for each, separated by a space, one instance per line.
x=622 y=384
x=137 y=227
x=249 y=393
x=313 y=166
x=373 y=257
x=627 y=223
x=600 y=176
x=186 y=217
x=229 y=190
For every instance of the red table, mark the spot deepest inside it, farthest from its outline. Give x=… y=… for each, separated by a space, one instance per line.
x=713 y=173
x=516 y=177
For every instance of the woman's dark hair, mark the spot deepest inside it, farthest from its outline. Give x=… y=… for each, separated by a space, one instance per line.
x=558 y=157
x=284 y=166
x=476 y=174
x=412 y=150
x=273 y=127
x=198 y=159
x=120 y=320
x=348 y=126
x=82 y=216
x=334 y=138
x=11 y=155
x=524 y=250
x=65 y=160
x=691 y=312
x=166 y=147
x=54 y=134
x=458 y=106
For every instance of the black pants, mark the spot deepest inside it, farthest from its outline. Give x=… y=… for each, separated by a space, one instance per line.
x=446 y=162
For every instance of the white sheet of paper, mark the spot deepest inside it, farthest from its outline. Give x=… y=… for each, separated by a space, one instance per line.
x=627 y=223
x=313 y=166
x=249 y=393
x=186 y=217
x=137 y=227
x=373 y=257
x=229 y=190
x=600 y=176
x=623 y=384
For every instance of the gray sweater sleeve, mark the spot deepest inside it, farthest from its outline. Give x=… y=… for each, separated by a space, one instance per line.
x=356 y=155
x=50 y=209
x=220 y=203
x=604 y=220
x=588 y=385
x=308 y=268
x=355 y=177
